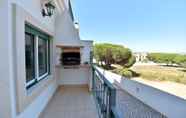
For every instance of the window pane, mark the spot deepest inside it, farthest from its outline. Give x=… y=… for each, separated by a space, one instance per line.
x=29 y=56
x=42 y=56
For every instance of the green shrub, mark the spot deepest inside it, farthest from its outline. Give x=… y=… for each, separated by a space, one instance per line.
x=126 y=73
x=117 y=71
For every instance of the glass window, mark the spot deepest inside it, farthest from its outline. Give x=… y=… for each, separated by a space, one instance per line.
x=36 y=55
x=42 y=56
x=29 y=56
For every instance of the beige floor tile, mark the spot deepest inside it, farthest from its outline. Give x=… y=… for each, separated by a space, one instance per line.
x=71 y=102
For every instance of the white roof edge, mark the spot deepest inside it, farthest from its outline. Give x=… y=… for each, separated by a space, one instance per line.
x=87 y=40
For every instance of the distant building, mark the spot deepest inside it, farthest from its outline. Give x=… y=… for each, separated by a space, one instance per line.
x=140 y=56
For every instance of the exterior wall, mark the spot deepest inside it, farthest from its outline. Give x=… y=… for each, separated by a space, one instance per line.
x=37 y=106
x=25 y=98
x=79 y=76
x=67 y=35
x=167 y=104
x=140 y=56
x=87 y=48
x=65 y=31
x=34 y=8
x=6 y=60
x=16 y=101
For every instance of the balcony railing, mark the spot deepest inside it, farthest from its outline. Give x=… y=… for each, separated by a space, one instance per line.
x=105 y=95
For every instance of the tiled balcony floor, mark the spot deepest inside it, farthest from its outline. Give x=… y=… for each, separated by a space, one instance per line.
x=71 y=102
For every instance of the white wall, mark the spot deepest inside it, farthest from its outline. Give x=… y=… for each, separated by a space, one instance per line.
x=34 y=8
x=5 y=61
x=12 y=65
x=65 y=32
x=167 y=104
x=37 y=106
x=26 y=97
x=85 y=51
x=79 y=76
x=8 y=69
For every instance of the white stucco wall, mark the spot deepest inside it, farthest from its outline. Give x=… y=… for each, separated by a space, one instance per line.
x=6 y=65
x=8 y=46
x=16 y=101
x=167 y=104
x=75 y=76
x=85 y=51
x=34 y=8
x=65 y=32
x=37 y=106
x=26 y=97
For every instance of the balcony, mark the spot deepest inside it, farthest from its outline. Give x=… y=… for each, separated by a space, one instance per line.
x=106 y=100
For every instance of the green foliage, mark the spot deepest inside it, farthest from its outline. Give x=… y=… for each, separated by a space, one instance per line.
x=126 y=73
x=113 y=54
x=131 y=62
x=99 y=53
x=168 y=58
x=180 y=60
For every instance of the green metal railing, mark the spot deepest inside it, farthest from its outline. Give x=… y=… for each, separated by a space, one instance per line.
x=105 y=94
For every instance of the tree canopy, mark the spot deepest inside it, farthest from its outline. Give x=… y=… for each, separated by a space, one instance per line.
x=112 y=53
x=168 y=58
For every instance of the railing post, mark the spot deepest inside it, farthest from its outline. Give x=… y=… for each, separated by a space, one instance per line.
x=112 y=102
x=113 y=97
x=93 y=77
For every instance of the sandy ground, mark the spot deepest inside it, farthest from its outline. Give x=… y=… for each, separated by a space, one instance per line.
x=173 y=88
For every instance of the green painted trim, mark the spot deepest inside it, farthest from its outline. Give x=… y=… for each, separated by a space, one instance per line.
x=32 y=30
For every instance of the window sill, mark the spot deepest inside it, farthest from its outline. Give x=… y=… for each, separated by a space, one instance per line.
x=39 y=84
x=37 y=81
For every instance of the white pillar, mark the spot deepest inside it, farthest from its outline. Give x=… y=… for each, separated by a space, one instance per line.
x=6 y=65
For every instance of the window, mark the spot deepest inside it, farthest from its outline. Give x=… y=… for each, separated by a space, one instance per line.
x=29 y=55
x=42 y=56
x=36 y=55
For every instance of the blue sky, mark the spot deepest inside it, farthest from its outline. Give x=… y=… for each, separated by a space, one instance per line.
x=142 y=25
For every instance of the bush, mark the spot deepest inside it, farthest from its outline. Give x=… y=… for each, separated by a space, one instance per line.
x=117 y=71
x=126 y=73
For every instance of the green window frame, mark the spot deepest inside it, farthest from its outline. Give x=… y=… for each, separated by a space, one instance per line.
x=41 y=53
